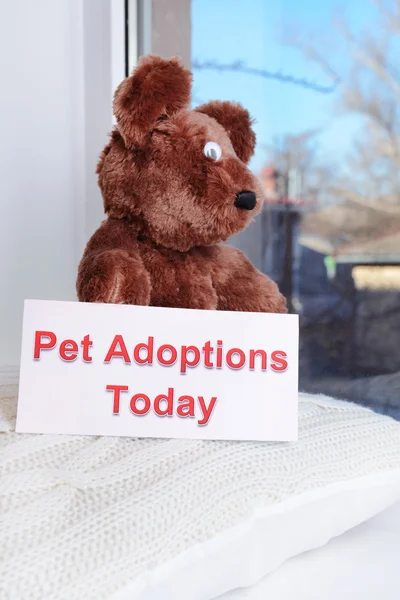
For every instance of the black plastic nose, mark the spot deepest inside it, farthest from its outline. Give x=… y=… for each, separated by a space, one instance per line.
x=246 y=200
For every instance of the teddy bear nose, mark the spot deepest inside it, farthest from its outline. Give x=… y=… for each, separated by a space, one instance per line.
x=246 y=200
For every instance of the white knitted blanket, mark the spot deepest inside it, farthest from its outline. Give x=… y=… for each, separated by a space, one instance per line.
x=81 y=517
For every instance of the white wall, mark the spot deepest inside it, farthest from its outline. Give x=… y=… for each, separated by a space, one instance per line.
x=55 y=111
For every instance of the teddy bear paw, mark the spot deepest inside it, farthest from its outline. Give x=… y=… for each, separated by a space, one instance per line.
x=116 y=277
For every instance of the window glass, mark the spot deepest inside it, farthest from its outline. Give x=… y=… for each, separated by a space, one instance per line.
x=324 y=88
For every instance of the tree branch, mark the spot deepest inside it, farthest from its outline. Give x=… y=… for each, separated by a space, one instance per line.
x=377 y=61
x=376 y=204
x=390 y=14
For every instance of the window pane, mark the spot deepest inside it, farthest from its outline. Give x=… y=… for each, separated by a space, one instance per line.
x=324 y=88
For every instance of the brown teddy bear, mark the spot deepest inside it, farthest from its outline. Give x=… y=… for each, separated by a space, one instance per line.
x=175 y=184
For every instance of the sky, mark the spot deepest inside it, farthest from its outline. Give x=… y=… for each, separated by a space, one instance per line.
x=252 y=31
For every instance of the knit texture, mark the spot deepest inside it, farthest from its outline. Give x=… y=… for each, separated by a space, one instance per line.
x=81 y=517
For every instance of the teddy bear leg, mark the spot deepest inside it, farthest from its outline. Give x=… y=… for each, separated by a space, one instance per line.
x=241 y=287
x=113 y=277
x=252 y=294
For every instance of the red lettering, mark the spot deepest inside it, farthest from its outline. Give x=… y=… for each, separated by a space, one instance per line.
x=187 y=409
x=185 y=362
x=206 y=410
x=117 y=389
x=146 y=407
x=207 y=349
x=149 y=347
x=169 y=398
x=41 y=345
x=219 y=354
x=86 y=343
x=167 y=361
x=115 y=353
x=70 y=353
x=253 y=354
x=279 y=356
x=230 y=362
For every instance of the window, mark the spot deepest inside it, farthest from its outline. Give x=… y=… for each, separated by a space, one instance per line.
x=324 y=89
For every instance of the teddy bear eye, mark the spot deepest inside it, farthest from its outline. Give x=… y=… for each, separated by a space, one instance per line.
x=213 y=150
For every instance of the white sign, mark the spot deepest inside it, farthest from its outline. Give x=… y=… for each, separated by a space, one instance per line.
x=104 y=369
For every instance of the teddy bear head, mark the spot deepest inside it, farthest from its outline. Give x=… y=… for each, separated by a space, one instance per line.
x=180 y=174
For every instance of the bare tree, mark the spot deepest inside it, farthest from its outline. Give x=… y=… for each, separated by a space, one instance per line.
x=369 y=90
x=299 y=154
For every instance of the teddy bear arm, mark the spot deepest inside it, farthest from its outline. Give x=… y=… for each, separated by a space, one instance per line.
x=114 y=276
x=241 y=287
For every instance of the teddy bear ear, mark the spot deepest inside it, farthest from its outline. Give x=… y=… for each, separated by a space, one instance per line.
x=238 y=124
x=157 y=88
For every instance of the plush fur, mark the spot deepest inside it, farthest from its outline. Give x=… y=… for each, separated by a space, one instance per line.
x=170 y=206
x=237 y=123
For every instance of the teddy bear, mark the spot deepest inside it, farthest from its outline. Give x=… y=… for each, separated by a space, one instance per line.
x=176 y=185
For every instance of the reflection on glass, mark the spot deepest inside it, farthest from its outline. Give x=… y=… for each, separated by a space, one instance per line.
x=324 y=88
